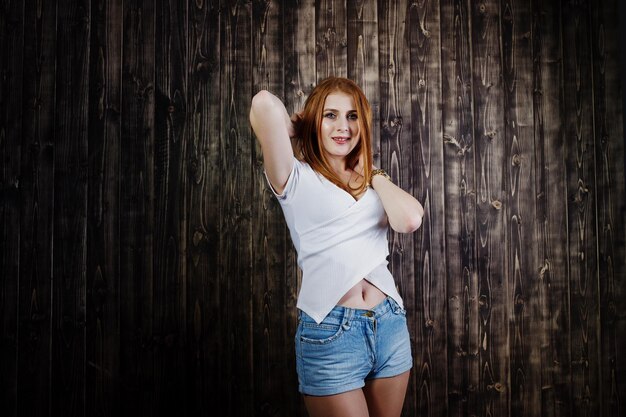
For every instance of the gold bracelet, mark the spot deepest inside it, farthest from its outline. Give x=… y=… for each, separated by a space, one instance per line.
x=379 y=171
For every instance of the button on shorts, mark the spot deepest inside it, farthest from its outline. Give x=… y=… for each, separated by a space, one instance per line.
x=350 y=347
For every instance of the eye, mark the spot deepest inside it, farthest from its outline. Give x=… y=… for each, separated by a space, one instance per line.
x=330 y=115
x=353 y=116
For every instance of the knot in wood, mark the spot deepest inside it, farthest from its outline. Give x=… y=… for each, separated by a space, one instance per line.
x=195 y=171
x=545 y=268
x=197 y=237
x=396 y=121
x=483 y=302
x=497 y=387
x=429 y=324
x=496 y=204
x=517 y=160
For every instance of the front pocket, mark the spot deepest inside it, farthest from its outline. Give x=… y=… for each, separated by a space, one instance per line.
x=320 y=334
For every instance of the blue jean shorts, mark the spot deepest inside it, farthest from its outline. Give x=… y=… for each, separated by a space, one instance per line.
x=351 y=346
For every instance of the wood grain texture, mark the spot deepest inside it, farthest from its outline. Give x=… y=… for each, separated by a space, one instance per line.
x=459 y=173
x=37 y=196
x=491 y=204
x=608 y=145
x=169 y=288
x=11 y=96
x=581 y=210
x=551 y=209
x=202 y=155
x=236 y=210
x=137 y=196
x=330 y=38
x=68 y=367
x=426 y=184
x=146 y=266
x=103 y=292
x=521 y=258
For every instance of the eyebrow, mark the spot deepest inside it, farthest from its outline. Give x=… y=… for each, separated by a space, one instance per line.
x=337 y=111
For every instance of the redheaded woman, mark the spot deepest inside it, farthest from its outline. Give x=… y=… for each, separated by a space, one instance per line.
x=352 y=343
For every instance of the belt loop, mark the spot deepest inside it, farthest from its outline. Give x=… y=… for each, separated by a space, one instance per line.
x=347 y=318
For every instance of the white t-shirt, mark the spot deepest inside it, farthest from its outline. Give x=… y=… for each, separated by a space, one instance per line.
x=339 y=240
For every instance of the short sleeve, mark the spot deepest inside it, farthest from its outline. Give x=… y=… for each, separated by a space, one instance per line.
x=294 y=175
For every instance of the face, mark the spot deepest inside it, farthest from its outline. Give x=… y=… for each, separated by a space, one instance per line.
x=340 y=126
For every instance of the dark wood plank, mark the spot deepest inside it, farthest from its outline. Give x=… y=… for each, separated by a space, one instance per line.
x=581 y=212
x=302 y=45
x=362 y=55
x=609 y=157
x=551 y=204
x=103 y=292
x=521 y=256
x=37 y=183
x=491 y=205
x=137 y=196
x=235 y=228
x=460 y=202
x=169 y=287
x=204 y=309
x=395 y=151
x=11 y=70
x=330 y=38
x=424 y=160
x=68 y=379
x=268 y=230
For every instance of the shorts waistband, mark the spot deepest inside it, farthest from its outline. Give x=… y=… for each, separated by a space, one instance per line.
x=347 y=313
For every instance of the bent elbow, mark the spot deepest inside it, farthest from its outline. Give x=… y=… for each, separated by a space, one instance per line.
x=414 y=223
x=261 y=101
x=410 y=223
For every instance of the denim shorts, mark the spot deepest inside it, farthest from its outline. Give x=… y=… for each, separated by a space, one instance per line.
x=351 y=346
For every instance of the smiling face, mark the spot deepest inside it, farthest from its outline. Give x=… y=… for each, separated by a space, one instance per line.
x=339 y=131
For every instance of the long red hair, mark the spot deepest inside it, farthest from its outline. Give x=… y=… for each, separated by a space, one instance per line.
x=310 y=123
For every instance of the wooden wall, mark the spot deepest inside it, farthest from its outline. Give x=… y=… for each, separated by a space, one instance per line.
x=146 y=269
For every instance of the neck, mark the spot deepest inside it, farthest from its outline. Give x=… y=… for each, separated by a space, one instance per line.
x=338 y=165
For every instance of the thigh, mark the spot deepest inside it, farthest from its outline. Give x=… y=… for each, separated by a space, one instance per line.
x=347 y=404
x=385 y=396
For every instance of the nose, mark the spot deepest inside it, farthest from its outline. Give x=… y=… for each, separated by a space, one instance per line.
x=342 y=124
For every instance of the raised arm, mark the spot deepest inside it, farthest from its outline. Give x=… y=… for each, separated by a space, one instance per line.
x=273 y=129
x=403 y=210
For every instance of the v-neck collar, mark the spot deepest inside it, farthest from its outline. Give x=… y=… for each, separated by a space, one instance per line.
x=354 y=200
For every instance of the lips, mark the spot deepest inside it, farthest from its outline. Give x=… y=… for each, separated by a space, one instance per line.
x=341 y=140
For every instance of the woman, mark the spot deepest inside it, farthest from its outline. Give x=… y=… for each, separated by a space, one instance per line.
x=352 y=343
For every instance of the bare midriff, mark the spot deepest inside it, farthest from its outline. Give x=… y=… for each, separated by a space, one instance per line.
x=363 y=295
